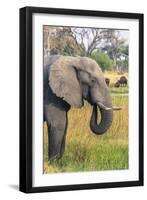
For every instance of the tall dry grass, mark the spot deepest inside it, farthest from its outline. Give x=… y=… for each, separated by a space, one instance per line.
x=86 y=151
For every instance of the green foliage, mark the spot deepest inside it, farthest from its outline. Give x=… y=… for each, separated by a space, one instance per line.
x=122 y=63
x=103 y=60
x=59 y=40
x=68 y=50
x=124 y=50
x=64 y=47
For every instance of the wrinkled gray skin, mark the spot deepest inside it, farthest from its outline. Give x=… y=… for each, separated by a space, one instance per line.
x=67 y=81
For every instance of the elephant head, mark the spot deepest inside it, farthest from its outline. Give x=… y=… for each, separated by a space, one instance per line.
x=76 y=78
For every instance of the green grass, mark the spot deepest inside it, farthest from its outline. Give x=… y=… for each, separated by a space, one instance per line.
x=120 y=90
x=101 y=156
x=86 y=151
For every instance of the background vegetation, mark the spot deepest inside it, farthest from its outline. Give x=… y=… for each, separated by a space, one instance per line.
x=108 y=47
x=103 y=60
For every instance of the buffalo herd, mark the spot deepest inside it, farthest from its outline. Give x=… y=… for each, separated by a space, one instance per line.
x=122 y=82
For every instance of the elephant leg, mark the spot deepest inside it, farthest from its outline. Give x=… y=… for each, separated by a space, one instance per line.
x=57 y=123
x=64 y=137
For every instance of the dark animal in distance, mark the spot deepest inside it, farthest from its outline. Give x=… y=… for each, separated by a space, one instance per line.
x=123 y=81
x=107 y=80
x=117 y=84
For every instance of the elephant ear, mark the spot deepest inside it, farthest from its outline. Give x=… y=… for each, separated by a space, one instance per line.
x=64 y=83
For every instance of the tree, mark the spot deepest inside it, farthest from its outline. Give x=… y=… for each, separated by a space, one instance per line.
x=115 y=46
x=89 y=39
x=103 y=60
x=85 y=41
x=59 y=40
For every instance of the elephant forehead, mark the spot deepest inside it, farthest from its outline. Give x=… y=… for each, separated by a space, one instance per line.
x=82 y=63
x=64 y=62
x=90 y=65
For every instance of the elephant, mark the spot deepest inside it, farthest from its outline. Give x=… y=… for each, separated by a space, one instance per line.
x=107 y=80
x=123 y=81
x=67 y=82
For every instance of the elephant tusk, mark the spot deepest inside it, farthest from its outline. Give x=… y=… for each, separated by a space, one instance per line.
x=116 y=108
x=103 y=106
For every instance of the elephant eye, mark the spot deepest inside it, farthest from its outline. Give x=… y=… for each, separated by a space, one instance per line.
x=93 y=80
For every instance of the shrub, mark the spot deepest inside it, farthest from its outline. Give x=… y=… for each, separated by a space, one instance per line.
x=103 y=60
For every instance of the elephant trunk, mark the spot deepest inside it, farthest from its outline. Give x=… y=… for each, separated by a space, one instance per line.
x=106 y=119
